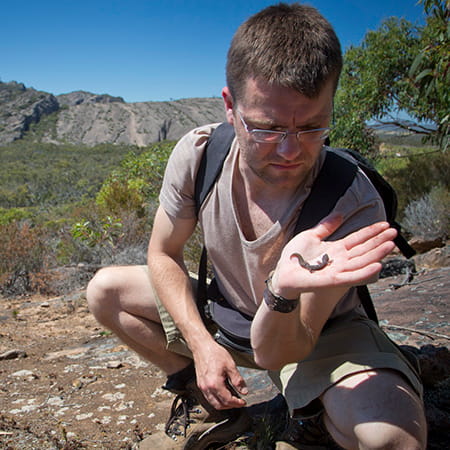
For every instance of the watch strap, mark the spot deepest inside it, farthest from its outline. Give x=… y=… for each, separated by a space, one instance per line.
x=277 y=302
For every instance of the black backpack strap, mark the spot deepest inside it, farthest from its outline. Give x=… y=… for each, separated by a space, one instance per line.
x=202 y=285
x=327 y=189
x=367 y=302
x=216 y=150
x=389 y=197
x=211 y=164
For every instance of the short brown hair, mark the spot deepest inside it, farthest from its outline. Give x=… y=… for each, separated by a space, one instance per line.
x=288 y=45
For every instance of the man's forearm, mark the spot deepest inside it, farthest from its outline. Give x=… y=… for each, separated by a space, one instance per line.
x=281 y=338
x=173 y=287
x=278 y=338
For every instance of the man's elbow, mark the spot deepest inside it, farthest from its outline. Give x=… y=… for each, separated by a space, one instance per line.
x=275 y=359
x=268 y=363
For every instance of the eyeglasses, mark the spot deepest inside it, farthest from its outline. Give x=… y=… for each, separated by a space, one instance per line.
x=276 y=137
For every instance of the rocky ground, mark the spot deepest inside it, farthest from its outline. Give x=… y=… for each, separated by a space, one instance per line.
x=66 y=383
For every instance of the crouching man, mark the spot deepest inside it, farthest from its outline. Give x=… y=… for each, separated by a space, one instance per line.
x=308 y=328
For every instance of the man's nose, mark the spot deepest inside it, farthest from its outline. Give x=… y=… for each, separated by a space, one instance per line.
x=289 y=148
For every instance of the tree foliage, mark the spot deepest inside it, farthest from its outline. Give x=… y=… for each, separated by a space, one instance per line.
x=430 y=70
x=398 y=67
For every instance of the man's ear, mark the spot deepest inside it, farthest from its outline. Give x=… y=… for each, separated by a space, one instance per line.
x=228 y=103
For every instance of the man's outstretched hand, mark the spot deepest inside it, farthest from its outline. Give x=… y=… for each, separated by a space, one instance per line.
x=308 y=262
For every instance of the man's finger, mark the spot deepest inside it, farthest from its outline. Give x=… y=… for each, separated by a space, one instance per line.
x=377 y=241
x=367 y=233
x=237 y=382
x=369 y=257
x=328 y=225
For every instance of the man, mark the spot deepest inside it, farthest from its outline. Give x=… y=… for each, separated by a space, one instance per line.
x=308 y=327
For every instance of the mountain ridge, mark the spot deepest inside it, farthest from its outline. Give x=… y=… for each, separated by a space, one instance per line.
x=84 y=118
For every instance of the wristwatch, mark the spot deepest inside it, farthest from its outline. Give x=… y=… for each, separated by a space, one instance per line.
x=277 y=302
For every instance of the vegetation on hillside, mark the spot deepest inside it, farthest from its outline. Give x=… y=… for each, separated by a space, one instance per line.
x=64 y=205
x=44 y=175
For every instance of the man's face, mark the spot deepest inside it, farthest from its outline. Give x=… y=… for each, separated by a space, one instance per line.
x=284 y=165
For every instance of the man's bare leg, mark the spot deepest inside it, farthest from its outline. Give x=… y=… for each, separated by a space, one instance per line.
x=121 y=299
x=376 y=409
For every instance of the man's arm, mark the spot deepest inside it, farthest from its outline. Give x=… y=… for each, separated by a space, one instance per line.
x=214 y=365
x=280 y=338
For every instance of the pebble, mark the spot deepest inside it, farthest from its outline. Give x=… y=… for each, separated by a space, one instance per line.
x=13 y=354
x=84 y=416
x=114 y=397
x=24 y=374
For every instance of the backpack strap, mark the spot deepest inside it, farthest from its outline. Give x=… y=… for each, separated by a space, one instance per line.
x=389 y=197
x=211 y=164
x=327 y=189
x=216 y=150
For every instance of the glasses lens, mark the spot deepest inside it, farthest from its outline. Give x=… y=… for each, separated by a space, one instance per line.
x=314 y=135
x=270 y=137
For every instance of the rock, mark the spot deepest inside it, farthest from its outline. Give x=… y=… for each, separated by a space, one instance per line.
x=421 y=245
x=20 y=107
x=79 y=97
x=134 y=123
x=26 y=374
x=438 y=257
x=114 y=364
x=434 y=364
x=397 y=266
x=13 y=354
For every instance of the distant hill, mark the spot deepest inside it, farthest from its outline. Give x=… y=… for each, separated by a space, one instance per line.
x=85 y=118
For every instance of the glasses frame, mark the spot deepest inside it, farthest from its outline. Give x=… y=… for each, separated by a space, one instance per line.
x=282 y=134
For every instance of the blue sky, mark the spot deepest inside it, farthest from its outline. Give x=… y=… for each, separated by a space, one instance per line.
x=149 y=50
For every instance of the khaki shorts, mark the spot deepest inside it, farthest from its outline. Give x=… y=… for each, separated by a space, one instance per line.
x=348 y=344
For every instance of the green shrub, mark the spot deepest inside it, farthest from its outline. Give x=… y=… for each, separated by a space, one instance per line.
x=118 y=226
x=23 y=249
x=415 y=175
x=43 y=175
x=73 y=209
x=137 y=180
x=428 y=217
x=9 y=215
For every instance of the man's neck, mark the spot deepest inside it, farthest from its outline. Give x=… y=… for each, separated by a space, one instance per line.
x=259 y=204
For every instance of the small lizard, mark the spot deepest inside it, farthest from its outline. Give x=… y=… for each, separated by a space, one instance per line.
x=312 y=267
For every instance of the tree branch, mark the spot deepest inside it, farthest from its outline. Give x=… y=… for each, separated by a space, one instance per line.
x=428 y=334
x=415 y=128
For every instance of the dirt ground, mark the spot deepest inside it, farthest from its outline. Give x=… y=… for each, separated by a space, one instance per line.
x=66 y=383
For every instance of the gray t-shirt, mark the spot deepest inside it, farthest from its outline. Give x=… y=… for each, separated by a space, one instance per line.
x=240 y=265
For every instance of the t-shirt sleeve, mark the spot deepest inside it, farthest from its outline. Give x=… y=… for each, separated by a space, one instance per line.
x=177 y=192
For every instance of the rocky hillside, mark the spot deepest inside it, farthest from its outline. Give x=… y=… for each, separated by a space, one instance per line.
x=90 y=119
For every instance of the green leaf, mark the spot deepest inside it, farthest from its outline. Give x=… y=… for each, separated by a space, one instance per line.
x=416 y=63
x=424 y=74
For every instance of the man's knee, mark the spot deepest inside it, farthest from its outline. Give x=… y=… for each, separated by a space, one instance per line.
x=382 y=435
x=100 y=292
x=375 y=410
x=379 y=435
